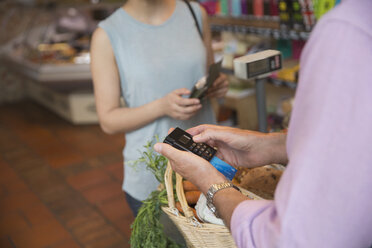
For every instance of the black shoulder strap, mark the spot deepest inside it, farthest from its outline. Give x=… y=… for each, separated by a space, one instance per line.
x=194 y=17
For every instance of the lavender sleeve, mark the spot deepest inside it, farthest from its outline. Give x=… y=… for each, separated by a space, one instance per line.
x=324 y=198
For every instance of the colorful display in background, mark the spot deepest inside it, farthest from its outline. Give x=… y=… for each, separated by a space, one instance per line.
x=296 y=14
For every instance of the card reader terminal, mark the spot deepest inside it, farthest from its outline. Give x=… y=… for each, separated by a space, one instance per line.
x=182 y=140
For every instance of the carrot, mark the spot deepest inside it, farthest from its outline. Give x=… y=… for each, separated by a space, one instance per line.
x=188 y=186
x=178 y=206
x=192 y=197
x=196 y=216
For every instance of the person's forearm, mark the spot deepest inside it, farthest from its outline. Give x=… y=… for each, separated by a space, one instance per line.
x=126 y=119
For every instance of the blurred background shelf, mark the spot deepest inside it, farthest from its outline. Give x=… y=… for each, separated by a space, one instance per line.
x=49 y=73
x=265 y=26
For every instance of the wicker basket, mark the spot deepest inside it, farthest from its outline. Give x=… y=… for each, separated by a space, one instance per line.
x=196 y=234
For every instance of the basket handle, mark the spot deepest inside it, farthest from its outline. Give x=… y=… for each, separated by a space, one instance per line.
x=169 y=185
x=189 y=214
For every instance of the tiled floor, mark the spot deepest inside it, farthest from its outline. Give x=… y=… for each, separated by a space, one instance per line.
x=60 y=184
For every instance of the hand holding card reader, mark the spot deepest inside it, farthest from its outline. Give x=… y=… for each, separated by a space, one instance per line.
x=183 y=141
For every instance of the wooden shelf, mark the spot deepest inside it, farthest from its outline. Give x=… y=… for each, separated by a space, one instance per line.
x=265 y=26
x=244 y=22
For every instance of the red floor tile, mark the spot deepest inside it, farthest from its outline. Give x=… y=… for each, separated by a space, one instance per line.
x=66 y=244
x=116 y=170
x=104 y=237
x=103 y=192
x=15 y=187
x=95 y=148
x=3 y=191
x=10 y=181
x=37 y=214
x=88 y=179
x=7 y=174
x=123 y=224
x=19 y=201
x=13 y=222
x=75 y=221
x=5 y=242
x=35 y=135
x=44 y=235
x=64 y=158
x=115 y=209
x=89 y=227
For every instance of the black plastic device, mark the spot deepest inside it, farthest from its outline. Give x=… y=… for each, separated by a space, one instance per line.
x=182 y=140
x=199 y=91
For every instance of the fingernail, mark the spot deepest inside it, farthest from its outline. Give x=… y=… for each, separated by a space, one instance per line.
x=157 y=147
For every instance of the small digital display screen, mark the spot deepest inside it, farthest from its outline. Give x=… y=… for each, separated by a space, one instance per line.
x=258 y=67
x=184 y=139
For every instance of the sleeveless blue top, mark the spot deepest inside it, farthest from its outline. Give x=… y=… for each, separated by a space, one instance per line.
x=153 y=61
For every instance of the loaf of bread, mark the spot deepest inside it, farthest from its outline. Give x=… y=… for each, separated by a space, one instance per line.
x=261 y=181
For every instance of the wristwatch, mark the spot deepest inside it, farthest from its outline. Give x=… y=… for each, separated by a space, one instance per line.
x=213 y=190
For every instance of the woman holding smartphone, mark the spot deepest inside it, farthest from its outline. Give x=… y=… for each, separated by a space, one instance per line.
x=151 y=53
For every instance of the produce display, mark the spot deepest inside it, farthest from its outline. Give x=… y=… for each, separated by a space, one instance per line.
x=59 y=53
x=55 y=33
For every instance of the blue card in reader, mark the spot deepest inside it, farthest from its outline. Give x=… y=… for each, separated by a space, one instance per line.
x=227 y=170
x=182 y=140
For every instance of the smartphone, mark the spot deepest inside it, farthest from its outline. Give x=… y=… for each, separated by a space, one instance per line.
x=182 y=140
x=201 y=87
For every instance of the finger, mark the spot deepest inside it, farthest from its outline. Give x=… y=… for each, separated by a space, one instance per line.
x=198 y=129
x=170 y=130
x=218 y=93
x=220 y=80
x=191 y=109
x=221 y=91
x=184 y=112
x=212 y=134
x=182 y=91
x=187 y=101
x=168 y=151
x=220 y=84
